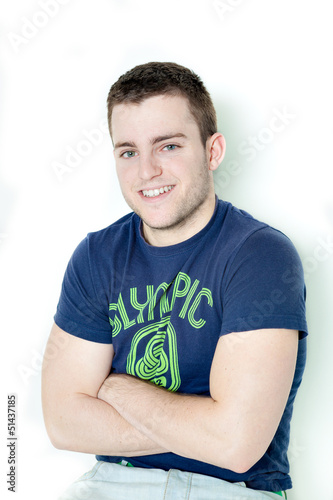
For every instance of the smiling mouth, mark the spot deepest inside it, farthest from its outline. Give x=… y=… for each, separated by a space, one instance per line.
x=152 y=193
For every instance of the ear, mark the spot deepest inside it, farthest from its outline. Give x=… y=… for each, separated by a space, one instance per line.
x=216 y=150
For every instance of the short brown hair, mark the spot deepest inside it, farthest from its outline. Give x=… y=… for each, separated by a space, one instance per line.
x=158 y=78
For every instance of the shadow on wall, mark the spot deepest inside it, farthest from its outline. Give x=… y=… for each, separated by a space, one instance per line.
x=329 y=212
x=7 y=195
x=6 y=204
x=235 y=118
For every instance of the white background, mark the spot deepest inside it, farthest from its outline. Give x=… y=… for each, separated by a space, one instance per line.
x=57 y=64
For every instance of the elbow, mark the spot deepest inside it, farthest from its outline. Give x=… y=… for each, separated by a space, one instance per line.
x=242 y=464
x=248 y=452
x=247 y=457
x=55 y=436
x=241 y=457
x=55 y=428
x=60 y=441
x=239 y=463
x=58 y=444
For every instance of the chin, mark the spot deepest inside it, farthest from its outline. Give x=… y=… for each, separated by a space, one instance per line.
x=157 y=220
x=164 y=224
x=157 y=225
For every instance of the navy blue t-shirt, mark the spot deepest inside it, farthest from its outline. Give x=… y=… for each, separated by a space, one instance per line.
x=165 y=308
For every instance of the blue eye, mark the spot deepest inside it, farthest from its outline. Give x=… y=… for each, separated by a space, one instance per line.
x=171 y=147
x=128 y=154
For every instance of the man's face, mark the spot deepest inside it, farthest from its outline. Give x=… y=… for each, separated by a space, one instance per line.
x=163 y=168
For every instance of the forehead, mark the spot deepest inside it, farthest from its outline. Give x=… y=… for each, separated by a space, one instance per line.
x=152 y=116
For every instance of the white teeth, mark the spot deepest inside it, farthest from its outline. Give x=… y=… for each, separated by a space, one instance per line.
x=151 y=193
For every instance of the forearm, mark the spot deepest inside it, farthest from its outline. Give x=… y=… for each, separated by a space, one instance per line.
x=88 y=425
x=184 y=424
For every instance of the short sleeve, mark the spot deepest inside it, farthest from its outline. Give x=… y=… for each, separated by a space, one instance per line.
x=264 y=285
x=81 y=311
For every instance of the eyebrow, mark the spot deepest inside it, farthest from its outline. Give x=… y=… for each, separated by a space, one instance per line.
x=153 y=141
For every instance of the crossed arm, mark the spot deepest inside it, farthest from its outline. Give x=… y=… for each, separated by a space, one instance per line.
x=250 y=380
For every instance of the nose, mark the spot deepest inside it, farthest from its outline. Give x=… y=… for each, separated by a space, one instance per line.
x=149 y=167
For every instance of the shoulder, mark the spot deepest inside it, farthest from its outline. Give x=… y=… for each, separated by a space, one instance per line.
x=251 y=237
x=114 y=238
x=236 y=225
x=117 y=229
x=105 y=243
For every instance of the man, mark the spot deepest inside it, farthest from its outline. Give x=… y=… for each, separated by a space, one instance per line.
x=180 y=330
